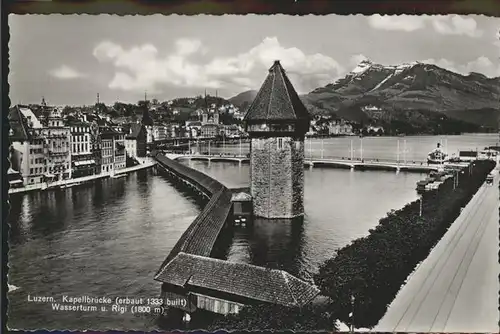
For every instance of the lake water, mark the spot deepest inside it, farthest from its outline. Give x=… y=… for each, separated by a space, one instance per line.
x=108 y=238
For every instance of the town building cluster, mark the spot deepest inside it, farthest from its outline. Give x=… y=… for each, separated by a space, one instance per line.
x=48 y=147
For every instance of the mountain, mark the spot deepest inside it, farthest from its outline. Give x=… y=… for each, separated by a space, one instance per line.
x=411 y=98
x=244 y=99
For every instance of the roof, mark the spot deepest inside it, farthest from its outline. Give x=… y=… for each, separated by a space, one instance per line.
x=29 y=114
x=135 y=130
x=17 y=125
x=240 y=279
x=277 y=99
x=241 y=197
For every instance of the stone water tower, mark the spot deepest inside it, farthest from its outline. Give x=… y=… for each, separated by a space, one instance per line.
x=276 y=122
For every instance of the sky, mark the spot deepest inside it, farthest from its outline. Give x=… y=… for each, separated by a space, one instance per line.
x=68 y=59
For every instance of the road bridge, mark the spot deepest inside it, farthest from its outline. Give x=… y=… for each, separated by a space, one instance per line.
x=420 y=167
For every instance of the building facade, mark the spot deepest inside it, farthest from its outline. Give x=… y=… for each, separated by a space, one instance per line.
x=57 y=147
x=159 y=132
x=27 y=145
x=107 y=150
x=82 y=157
x=120 y=158
x=95 y=143
x=135 y=141
x=209 y=130
x=339 y=128
x=277 y=122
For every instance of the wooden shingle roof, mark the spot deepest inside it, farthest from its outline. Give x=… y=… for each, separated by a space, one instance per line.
x=239 y=279
x=277 y=100
x=200 y=237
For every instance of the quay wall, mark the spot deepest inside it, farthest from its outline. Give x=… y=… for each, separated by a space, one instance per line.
x=79 y=180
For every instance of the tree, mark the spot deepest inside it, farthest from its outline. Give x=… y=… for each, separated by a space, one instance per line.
x=276 y=317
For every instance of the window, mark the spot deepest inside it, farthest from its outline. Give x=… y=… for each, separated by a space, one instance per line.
x=31 y=171
x=280 y=143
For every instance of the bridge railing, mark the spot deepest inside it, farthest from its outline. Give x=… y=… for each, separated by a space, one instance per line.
x=208 y=184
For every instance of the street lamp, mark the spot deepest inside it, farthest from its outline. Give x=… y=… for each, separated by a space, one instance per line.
x=421 y=205
x=322 y=140
x=352 y=313
x=352 y=151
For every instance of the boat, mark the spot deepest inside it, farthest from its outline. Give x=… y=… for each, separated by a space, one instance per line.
x=117 y=176
x=64 y=186
x=488 y=154
x=437 y=155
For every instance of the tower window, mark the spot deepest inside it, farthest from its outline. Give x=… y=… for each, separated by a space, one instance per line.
x=280 y=143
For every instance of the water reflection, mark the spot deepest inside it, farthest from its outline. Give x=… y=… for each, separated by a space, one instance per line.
x=272 y=243
x=102 y=239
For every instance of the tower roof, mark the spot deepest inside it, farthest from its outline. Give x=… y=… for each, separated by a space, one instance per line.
x=277 y=100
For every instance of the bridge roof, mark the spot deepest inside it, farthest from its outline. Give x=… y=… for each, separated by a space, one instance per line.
x=240 y=279
x=200 y=237
x=277 y=100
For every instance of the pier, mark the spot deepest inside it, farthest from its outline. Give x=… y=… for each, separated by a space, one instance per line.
x=190 y=272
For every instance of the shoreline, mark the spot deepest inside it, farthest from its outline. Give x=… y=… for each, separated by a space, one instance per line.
x=80 y=180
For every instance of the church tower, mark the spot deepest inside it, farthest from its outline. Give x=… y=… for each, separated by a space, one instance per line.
x=277 y=122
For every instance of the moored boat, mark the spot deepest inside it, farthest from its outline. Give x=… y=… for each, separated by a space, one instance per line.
x=437 y=155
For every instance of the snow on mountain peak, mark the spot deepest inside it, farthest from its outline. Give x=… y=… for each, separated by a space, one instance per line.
x=364 y=65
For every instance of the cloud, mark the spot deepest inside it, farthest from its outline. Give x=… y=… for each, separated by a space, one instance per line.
x=480 y=65
x=445 y=25
x=396 y=22
x=356 y=59
x=65 y=72
x=142 y=67
x=456 y=25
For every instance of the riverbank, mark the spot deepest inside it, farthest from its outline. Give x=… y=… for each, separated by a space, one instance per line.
x=373 y=269
x=81 y=180
x=445 y=293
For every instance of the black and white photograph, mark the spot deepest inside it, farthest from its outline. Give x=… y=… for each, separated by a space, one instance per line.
x=254 y=172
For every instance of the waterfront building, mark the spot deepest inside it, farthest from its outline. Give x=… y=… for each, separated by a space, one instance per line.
x=95 y=144
x=107 y=150
x=57 y=147
x=27 y=156
x=135 y=141
x=120 y=158
x=210 y=126
x=276 y=122
x=159 y=132
x=231 y=130
x=340 y=128
x=209 y=130
x=82 y=157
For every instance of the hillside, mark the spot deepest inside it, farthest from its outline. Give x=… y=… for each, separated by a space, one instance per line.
x=413 y=94
x=244 y=99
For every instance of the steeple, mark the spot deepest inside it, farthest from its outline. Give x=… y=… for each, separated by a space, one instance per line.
x=97 y=98
x=43 y=104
